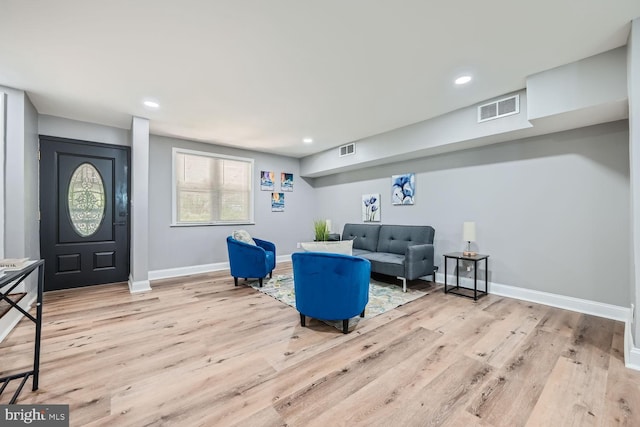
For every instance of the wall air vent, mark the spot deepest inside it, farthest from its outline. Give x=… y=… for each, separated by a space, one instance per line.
x=500 y=108
x=347 y=149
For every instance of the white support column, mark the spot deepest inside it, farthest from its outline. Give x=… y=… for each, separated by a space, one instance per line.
x=632 y=336
x=139 y=277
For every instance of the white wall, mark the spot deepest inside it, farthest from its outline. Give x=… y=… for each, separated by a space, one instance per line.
x=452 y=131
x=598 y=80
x=175 y=247
x=583 y=93
x=552 y=211
x=139 y=211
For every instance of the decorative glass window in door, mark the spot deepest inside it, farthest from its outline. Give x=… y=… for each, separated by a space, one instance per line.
x=86 y=200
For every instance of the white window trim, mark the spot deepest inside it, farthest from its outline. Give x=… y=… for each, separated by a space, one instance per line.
x=174 y=185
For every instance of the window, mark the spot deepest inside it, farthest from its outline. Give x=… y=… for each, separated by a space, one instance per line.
x=211 y=188
x=86 y=200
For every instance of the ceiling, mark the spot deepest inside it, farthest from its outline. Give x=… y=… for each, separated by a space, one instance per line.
x=264 y=74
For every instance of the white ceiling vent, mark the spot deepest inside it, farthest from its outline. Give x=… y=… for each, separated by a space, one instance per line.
x=500 y=108
x=347 y=149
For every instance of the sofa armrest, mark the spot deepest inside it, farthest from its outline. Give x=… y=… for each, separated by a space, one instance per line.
x=418 y=261
x=266 y=245
x=245 y=253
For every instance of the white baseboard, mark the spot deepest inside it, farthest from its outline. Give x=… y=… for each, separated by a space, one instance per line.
x=187 y=271
x=13 y=316
x=199 y=269
x=136 y=287
x=594 y=308
x=631 y=352
x=608 y=311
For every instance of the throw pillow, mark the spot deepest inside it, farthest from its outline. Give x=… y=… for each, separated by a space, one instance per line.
x=243 y=236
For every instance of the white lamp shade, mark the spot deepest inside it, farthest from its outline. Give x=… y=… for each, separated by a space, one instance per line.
x=328 y=222
x=469 y=231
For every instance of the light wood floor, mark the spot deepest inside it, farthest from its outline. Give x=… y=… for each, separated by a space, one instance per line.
x=199 y=351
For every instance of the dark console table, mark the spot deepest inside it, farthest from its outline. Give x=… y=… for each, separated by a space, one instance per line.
x=457 y=289
x=13 y=278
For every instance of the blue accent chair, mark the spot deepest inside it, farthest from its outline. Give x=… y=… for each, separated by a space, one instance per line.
x=252 y=261
x=330 y=286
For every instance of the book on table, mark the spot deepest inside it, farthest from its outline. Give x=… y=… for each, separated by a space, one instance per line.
x=13 y=263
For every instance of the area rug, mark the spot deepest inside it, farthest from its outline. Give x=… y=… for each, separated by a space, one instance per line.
x=382 y=296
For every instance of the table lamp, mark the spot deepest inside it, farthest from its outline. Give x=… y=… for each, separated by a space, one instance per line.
x=469 y=234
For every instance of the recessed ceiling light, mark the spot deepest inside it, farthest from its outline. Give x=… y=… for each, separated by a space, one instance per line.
x=307 y=140
x=151 y=104
x=462 y=80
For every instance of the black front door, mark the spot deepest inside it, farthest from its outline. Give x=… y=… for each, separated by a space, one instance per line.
x=84 y=212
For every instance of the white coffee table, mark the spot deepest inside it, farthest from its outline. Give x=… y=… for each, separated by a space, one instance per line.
x=337 y=247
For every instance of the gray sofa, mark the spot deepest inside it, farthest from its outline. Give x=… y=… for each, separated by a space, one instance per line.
x=404 y=251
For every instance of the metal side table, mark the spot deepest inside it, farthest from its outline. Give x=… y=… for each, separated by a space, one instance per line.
x=457 y=289
x=11 y=279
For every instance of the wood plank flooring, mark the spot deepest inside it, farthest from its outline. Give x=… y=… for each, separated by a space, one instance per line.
x=197 y=351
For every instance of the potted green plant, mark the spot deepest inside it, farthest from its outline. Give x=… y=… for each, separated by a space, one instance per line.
x=321 y=231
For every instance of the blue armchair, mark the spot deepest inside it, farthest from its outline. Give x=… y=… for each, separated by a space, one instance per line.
x=246 y=260
x=330 y=286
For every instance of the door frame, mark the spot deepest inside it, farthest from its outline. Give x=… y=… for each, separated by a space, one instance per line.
x=127 y=151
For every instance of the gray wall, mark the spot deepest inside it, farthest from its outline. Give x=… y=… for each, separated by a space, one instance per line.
x=31 y=182
x=21 y=177
x=21 y=227
x=74 y=129
x=633 y=73
x=172 y=247
x=15 y=173
x=552 y=210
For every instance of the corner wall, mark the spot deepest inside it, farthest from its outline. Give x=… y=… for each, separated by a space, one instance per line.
x=21 y=237
x=177 y=250
x=552 y=211
x=21 y=177
x=633 y=83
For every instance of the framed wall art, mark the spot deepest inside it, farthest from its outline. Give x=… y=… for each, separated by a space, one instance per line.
x=286 y=181
x=371 y=207
x=277 y=202
x=403 y=188
x=267 y=180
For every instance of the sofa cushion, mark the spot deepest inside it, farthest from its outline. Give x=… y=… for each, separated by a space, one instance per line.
x=243 y=236
x=386 y=263
x=395 y=238
x=364 y=236
x=360 y=252
x=384 y=257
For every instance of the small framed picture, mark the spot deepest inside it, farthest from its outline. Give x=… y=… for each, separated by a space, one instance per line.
x=267 y=180
x=277 y=202
x=286 y=181
x=371 y=207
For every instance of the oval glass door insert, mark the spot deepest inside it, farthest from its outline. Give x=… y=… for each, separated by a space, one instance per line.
x=86 y=201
